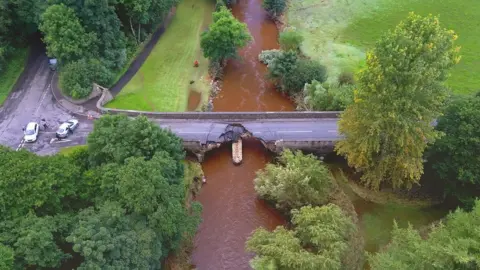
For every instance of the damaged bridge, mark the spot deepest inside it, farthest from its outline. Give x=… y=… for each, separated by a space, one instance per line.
x=310 y=135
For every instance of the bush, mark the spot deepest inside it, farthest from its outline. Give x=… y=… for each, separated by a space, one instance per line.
x=290 y=40
x=219 y=4
x=346 y=77
x=327 y=97
x=77 y=77
x=280 y=66
x=274 y=8
x=297 y=180
x=267 y=56
x=305 y=71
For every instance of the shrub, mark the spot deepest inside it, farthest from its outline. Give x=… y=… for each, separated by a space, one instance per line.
x=290 y=40
x=281 y=65
x=267 y=56
x=219 y=4
x=77 y=77
x=346 y=77
x=297 y=180
x=327 y=97
x=305 y=71
x=274 y=8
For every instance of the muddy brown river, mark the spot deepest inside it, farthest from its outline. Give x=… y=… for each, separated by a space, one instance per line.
x=231 y=210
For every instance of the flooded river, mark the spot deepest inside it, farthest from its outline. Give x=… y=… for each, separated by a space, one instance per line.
x=231 y=209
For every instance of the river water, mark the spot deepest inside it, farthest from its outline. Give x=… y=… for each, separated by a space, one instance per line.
x=231 y=210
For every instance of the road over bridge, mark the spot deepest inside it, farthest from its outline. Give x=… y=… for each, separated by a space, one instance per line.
x=316 y=135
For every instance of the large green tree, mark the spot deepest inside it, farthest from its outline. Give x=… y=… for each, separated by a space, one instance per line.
x=319 y=240
x=224 y=36
x=275 y=8
x=454 y=244
x=65 y=36
x=6 y=257
x=455 y=156
x=117 y=137
x=399 y=95
x=295 y=181
x=42 y=183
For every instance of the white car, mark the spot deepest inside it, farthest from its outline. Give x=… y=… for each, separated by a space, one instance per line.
x=67 y=127
x=31 y=132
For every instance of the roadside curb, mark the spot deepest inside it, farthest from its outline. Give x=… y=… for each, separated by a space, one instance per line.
x=65 y=104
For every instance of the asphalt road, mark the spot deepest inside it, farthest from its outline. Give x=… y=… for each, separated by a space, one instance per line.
x=203 y=131
x=31 y=100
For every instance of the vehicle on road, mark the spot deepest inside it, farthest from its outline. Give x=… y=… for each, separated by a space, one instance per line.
x=52 y=63
x=66 y=128
x=31 y=132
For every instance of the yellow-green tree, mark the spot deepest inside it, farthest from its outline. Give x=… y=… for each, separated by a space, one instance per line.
x=399 y=95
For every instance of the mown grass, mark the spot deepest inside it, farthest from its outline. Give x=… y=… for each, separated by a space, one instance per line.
x=163 y=81
x=12 y=72
x=347 y=28
x=66 y=151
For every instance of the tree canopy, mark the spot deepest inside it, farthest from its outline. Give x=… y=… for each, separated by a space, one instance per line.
x=318 y=241
x=453 y=244
x=115 y=138
x=455 y=156
x=297 y=180
x=120 y=209
x=224 y=36
x=399 y=95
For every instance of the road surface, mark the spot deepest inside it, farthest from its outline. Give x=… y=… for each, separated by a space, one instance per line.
x=205 y=131
x=31 y=100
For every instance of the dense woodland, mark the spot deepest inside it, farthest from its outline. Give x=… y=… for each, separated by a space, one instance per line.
x=119 y=204
x=93 y=40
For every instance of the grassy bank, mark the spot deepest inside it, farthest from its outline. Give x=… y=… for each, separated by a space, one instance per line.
x=12 y=72
x=163 y=81
x=66 y=151
x=337 y=33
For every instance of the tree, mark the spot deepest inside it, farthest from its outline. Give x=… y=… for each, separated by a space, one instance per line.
x=35 y=244
x=318 y=241
x=6 y=257
x=275 y=8
x=327 y=97
x=450 y=245
x=399 y=95
x=297 y=180
x=290 y=40
x=77 y=77
x=305 y=71
x=455 y=155
x=280 y=64
x=34 y=183
x=117 y=137
x=224 y=36
x=65 y=37
x=109 y=239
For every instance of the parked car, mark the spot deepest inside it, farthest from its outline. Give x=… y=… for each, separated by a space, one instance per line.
x=31 y=132
x=66 y=128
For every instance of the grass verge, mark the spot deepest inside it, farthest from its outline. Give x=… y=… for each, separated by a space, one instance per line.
x=337 y=33
x=66 y=151
x=163 y=81
x=12 y=72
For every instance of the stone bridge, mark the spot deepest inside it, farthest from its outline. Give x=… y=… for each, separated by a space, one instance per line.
x=310 y=135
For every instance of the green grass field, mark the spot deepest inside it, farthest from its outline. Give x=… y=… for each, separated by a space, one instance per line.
x=14 y=68
x=337 y=33
x=163 y=82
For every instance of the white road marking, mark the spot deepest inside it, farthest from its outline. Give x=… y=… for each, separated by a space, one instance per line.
x=294 y=131
x=20 y=145
x=332 y=131
x=62 y=141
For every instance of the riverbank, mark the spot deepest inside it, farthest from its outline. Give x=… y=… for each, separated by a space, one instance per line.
x=164 y=80
x=337 y=33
